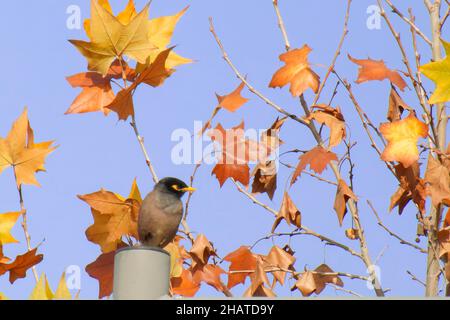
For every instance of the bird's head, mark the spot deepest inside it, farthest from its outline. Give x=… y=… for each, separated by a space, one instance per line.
x=174 y=186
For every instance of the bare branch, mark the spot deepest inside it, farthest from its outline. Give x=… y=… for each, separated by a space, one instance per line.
x=413 y=277
x=281 y=25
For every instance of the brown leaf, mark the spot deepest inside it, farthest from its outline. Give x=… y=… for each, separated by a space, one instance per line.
x=240 y=260
x=317 y=159
x=288 y=212
x=279 y=258
x=297 y=72
x=343 y=194
x=233 y=100
x=102 y=269
x=314 y=281
x=376 y=70
x=20 y=266
x=265 y=179
x=202 y=249
x=437 y=180
x=185 y=285
x=447 y=219
x=444 y=242
x=258 y=278
x=123 y=104
x=352 y=234
x=396 y=106
x=333 y=119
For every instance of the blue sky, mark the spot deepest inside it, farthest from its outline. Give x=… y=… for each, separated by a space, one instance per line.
x=96 y=151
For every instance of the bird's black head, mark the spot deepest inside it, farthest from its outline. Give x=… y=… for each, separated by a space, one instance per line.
x=174 y=186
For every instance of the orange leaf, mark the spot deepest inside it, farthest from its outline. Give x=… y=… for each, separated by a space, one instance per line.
x=102 y=269
x=297 y=72
x=343 y=194
x=333 y=119
x=288 y=212
x=376 y=70
x=314 y=281
x=402 y=137
x=240 y=260
x=185 y=285
x=279 y=258
x=265 y=179
x=21 y=264
x=202 y=249
x=317 y=159
x=437 y=179
x=233 y=100
x=209 y=274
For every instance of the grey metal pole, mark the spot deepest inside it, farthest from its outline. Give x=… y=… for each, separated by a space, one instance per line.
x=141 y=273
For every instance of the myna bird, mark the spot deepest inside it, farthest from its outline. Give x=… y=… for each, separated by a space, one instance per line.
x=161 y=212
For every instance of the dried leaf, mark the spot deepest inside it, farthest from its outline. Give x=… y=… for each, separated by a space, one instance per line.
x=240 y=260
x=317 y=159
x=265 y=179
x=279 y=258
x=288 y=212
x=210 y=274
x=333 y=119
x=185 y=285
x=202 y=249
x=343 y=194
x=437 y=179
x=396 y=106
x=314 y=282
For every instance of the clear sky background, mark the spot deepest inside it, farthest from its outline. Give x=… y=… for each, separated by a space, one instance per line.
x=96 y=151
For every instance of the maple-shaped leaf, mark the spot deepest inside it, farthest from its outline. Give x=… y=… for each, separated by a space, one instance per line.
x=333 y=119
x=259 y=281
x=411 y=187
x=209 y=274
x=7 y=222
x=20 y=266
x=234 y=154
x=315 y=281
x=111 y=39
x=97 y=92
x=154 y=75
x=279 y=258
x=20 y=152
x=396 y=106
x=102 y=269
x=289 y=213
x=201 y=250
x=343 y=194
x=402 y=136
x=376 y=70
x=297 y=72
x=439 y=73
x=241 y=259
x=437 y=179
x=62 y=291
x=233 y=100
x=265 y=178
x=42 y=290
x=317 y=159
x=185 y=285
x=114 y=218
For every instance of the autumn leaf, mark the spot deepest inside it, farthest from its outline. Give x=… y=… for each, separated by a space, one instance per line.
x=315 y=281
x=297 y=72
x=7 y=222
x=241 y=259
x=176 y=259
x=20 y=266
x=62 y=291
x=20 y=152
x=437 y=179
x=376 y=70
x=209 y=274
x=102 y=269
x=154 y=75
x=396 y=106
x=444 y=242
x=279 y=258
x=265 y=178
x=411 y=187
x=42 y=290
x=110 y=39
x=317 y=159
x=234 y=154
x=232 y=101
x=184 y=285
x=439 y=73
x=288 y=212
x=333 y=119
x=402 y=136
x=343 y=194
x=259 y=280
x=201 y=250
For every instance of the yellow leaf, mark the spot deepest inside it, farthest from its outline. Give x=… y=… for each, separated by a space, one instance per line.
x=42 y=290
x=402 y=137
x=62 y=292
x=135 y=193
x=26 y=157
x=110 y=39
x=7 y=221
x=3 y=297
x=176 y=262
x=439 y=72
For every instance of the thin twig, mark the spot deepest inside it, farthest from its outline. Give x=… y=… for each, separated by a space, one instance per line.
x=393 y=234
x=413 y=277
x=281 y=25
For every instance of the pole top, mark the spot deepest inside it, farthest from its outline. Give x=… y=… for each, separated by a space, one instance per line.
x=143 y=248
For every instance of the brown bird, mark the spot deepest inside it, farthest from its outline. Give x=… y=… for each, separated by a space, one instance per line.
x=161 y=212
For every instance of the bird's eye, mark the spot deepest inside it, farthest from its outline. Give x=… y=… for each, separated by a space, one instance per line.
x=175 y=187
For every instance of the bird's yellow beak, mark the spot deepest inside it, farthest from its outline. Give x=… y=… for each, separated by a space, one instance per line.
x=188 y=189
